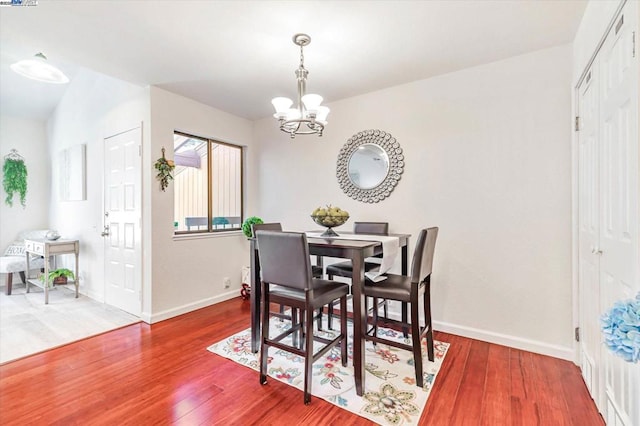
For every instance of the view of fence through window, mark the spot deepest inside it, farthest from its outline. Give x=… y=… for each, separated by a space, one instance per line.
x=207 y=185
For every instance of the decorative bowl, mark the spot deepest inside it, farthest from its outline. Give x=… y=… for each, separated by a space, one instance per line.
x=329 y=221
x=52 y=235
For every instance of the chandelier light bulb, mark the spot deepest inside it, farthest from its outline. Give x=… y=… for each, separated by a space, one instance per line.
x=312 y=102
x=322 y=113
x=281 y=105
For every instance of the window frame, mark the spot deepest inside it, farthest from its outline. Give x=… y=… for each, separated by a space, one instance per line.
x=210 y=226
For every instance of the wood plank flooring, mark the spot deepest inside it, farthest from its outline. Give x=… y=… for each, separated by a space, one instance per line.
x=163 y=374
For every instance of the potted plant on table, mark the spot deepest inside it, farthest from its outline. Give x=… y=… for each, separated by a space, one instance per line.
x=246 y=225
x=60 y=276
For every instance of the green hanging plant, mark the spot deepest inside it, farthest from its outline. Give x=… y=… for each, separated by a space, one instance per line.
x=165 y=168
x=14 y=178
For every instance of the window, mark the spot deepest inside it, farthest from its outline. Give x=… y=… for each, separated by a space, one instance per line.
x=208 y=185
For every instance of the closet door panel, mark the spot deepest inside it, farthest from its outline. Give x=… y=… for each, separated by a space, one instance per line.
x=588 y=228
x=619 y=203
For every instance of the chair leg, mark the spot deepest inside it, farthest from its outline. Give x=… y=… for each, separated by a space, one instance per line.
x=308 y=359
x=416 y=343
x=405 y=330
x=9 y=283
x=375 y=317
x=330 y=315
x=343 y=330
x=264 y=349
x=294 y=321
x=427 y=320
x=319 y=319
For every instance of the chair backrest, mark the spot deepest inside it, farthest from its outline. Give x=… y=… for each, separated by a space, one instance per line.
x=422 y=264
x=284 y=258
x=375 y=228
x=275 y=226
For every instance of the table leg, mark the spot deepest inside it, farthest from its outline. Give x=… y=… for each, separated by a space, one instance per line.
x=26 y=281
x=77 y=280
x=359 y=320
x=46 y=280
x=404 y=259
x=405 y=272
x=255 y=297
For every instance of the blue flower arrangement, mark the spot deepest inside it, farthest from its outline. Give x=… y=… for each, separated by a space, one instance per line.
x=621 y=329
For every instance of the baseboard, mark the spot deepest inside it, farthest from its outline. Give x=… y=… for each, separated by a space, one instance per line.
x=97 y=296
x=538 y=347
x=556 y=351
x=179 y=310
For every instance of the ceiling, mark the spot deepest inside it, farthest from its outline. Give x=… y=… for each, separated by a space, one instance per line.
x=238 y=55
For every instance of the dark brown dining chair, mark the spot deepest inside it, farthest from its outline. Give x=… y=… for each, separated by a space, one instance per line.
x=287 y=280
x=345 y=269
x=315 y=270
x=408 y=289
x=277 y=226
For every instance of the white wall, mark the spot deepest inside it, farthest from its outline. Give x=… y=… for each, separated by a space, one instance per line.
x=94 y=106
x=488 y=160
x=187 y=273
x=29 y=138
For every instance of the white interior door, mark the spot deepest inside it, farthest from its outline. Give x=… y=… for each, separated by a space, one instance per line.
x=122 y=242
x=618 y=244
x=608 y=218
x=588 y=229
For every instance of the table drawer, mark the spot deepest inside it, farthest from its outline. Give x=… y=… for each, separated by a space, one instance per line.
x=34 y=247
x=69 y=247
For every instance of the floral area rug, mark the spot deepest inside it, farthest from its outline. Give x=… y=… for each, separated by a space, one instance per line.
x=391 y=396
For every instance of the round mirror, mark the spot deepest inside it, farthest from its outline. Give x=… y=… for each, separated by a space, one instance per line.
x=368 y=166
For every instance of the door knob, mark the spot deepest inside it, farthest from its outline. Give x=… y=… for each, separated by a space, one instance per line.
x=105 y=233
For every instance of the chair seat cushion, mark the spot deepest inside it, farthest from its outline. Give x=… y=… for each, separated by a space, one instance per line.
x=395 y=287
x=345 y=269
x=10 y=264
x=324 y=291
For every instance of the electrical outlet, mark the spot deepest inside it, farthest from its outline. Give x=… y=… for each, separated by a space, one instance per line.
x=226 y=282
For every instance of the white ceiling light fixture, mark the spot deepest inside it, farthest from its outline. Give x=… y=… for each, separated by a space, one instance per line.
x=38 y=69
x=309 y=117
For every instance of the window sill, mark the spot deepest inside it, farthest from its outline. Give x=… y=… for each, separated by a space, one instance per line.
x=205 y=235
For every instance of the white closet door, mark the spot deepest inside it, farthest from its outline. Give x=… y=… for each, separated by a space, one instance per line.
x=589 y=228
x=619 y=214
x=608 y=213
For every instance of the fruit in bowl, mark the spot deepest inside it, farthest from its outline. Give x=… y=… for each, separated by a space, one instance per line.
x=329 y=217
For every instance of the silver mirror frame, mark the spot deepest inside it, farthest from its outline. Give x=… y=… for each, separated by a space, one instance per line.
x=396 y=165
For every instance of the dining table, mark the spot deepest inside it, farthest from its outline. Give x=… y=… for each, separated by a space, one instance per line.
x=355 y=250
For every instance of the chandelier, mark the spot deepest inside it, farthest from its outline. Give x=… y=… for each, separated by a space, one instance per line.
x=309 y=117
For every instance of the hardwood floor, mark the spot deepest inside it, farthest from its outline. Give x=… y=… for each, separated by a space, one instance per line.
x=163 y=374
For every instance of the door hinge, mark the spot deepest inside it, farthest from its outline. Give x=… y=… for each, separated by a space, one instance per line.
x=577 y=334
x=139 y=150
x=577 y=124
x=633 y=43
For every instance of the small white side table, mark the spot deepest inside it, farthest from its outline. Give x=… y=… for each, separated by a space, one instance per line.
x=48 y=248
